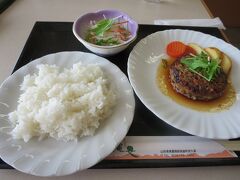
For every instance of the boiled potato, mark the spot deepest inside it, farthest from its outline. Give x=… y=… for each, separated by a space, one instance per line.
x=214 y=53
x=226 y=63
x=196 y=47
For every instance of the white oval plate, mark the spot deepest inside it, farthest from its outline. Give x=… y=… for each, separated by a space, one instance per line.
x=50 y=157
x=142 y=76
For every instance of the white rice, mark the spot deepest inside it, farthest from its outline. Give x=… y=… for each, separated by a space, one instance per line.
x=63 y=105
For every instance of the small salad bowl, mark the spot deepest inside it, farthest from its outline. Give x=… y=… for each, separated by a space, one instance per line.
x=99 y=23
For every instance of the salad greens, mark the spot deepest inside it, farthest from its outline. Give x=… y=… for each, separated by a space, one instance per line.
x=109 y=41
x=202 y=65
x=102 y=26
x=108 y=32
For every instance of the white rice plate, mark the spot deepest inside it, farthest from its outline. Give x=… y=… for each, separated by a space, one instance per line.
x=63 y=104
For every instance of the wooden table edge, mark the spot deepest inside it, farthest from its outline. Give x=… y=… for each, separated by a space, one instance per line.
x=212 y=16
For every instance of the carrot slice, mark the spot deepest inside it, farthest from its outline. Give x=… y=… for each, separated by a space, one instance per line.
x=120 y=23
x=176 y=49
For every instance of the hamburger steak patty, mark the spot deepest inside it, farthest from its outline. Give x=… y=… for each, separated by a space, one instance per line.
x=194 y=86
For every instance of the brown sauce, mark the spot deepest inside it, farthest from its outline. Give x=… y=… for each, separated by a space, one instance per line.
x=222 y=103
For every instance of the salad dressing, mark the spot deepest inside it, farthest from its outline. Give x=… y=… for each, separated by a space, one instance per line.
x=163 y=81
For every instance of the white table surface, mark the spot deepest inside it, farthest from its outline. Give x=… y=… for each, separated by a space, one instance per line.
x=15 y=25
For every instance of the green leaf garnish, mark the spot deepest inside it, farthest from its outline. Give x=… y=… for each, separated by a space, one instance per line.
x=202 y=65
x=109 y=42
x=102 y=26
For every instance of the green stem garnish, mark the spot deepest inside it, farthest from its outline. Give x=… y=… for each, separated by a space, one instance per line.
x=202 y=65
x=102 y=26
